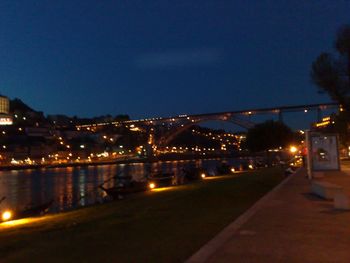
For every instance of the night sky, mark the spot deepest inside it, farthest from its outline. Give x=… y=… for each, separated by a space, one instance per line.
x=160 y=58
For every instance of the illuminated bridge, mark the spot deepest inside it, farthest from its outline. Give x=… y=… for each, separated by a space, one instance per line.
x=172 y=126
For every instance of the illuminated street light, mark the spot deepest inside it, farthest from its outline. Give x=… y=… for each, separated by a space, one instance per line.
x=293 y=149
x=7 y=215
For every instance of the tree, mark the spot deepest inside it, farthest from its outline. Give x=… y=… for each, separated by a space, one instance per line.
x=267 y=135
x=332 y=74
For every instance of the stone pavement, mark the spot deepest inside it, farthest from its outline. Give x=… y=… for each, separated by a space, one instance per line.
x=288 y=225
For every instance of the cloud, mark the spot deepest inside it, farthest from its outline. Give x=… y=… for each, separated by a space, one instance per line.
x=178 y=58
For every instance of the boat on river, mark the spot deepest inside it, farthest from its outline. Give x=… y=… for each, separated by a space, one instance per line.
x=153 y=181
x=119 y=191
x=161 y=180
x=194 y=174
x=35 y=210
x=29 y=211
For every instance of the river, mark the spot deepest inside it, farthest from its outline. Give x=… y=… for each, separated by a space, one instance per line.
x=73 y=187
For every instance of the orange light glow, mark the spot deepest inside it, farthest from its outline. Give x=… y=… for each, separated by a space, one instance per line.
x=7 y=215
x=293 y=149
x=23 y=221
x=163 y=189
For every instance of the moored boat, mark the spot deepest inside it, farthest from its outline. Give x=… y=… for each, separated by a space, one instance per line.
x=161 y=180
x=119 y=191
x=35 y=210
x=32 y=211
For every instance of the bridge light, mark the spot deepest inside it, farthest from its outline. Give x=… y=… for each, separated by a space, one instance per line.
x=305 y=111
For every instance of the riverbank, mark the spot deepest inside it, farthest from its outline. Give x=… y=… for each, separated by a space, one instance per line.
x=166 y=225
x=115 y=161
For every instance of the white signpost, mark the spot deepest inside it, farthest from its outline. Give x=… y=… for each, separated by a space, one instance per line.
x=323 y=152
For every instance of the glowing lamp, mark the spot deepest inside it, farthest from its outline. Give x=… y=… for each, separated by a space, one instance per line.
x=233 y=170
x=7 y=215
x=152 y=185
x=203 y=175
x=293 y=149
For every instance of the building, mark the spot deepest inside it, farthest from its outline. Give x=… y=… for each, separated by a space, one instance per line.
x=5 y=117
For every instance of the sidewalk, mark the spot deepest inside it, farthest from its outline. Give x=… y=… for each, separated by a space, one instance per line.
x=289 y=225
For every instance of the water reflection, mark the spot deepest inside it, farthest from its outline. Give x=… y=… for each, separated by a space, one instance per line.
x=72 y=187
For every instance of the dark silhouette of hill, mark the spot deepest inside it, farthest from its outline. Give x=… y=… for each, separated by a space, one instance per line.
x=19 y=106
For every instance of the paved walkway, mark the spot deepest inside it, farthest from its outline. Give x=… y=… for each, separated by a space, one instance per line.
x=289 y=225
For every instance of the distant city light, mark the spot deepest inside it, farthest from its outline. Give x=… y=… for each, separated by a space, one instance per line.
x=6 y=121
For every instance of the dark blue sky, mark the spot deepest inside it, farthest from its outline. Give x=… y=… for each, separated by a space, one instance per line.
x=151 y=58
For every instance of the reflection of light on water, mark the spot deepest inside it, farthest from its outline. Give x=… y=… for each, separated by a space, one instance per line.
x=137 y=171
x=14 y=172
x=66 y=185
x=82 y=189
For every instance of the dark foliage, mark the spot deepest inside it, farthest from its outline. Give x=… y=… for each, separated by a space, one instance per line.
x=332 y=74
x=267 y=135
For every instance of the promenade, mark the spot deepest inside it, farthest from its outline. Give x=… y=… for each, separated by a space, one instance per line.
x=287 y=225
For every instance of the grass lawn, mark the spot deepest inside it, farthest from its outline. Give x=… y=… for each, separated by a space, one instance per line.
x=158 y=226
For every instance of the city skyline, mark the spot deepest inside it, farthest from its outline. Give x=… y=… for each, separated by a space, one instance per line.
x=162 y=59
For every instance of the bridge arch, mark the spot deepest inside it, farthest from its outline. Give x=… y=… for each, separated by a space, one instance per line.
x=173 y=133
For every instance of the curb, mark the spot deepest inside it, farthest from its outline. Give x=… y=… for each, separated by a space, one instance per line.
x=220 y=239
